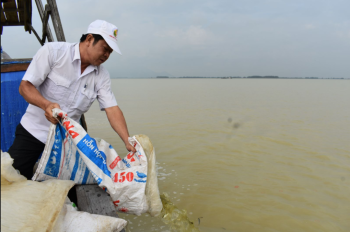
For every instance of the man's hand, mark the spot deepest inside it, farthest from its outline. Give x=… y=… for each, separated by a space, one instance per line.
x=48 y=112
x=34 y=97
x=116 y=119
x=129 y=147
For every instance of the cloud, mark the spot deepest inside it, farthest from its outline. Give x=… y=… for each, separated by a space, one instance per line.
x=192 y=35
x=210 y=38
x=309 y=26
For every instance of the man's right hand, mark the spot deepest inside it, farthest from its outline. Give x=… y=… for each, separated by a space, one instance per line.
x=34 y=97
x=48 y=112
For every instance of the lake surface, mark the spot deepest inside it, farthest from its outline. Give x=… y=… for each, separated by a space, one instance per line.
x=242 y=154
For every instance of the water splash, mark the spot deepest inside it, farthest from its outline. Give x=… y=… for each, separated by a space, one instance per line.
x=177 y=219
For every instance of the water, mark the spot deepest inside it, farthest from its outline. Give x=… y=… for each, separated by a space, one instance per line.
x=242 y=154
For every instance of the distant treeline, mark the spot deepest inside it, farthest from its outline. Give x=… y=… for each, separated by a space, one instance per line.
x=255 y=76
x=231 y=77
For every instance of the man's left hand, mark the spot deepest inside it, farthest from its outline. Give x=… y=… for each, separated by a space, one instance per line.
x=130 y=148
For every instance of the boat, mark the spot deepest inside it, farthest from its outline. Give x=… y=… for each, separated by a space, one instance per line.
x=90 y=198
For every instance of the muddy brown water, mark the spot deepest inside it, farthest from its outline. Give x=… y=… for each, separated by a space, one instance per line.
x=242 y=154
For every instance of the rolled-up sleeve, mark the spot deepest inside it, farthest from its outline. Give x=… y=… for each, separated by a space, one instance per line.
x=105 y=96
x=40 y=66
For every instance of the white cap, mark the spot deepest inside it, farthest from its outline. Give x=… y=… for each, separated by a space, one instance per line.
x=107 y=30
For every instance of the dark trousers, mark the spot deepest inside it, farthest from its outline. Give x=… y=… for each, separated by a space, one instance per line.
x=25 y=151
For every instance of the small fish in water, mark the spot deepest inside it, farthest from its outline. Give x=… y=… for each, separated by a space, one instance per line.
x=199 y=220
x=236 y=125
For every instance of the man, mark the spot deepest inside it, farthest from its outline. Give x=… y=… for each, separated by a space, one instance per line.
x=70 y=77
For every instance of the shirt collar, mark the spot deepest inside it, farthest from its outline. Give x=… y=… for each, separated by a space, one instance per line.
x=76 y=56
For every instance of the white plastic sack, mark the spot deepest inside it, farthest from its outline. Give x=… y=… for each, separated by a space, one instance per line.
x=71 y=154
x=152 y=191
x=72 y=220
x=29 y=206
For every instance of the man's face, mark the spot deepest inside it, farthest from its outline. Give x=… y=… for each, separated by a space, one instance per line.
x=98 y=53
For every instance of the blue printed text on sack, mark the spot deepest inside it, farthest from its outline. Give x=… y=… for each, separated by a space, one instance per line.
x=96 y=151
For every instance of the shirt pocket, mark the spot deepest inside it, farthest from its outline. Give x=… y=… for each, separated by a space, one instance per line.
x=59 y=87
x=85 y=99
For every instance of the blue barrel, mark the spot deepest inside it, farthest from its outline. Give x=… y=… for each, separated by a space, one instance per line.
x=13 y=106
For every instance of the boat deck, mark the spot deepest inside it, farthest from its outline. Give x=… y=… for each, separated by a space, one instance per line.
x=92 y=199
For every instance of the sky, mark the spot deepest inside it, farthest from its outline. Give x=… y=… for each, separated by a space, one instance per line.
x=209 y=38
